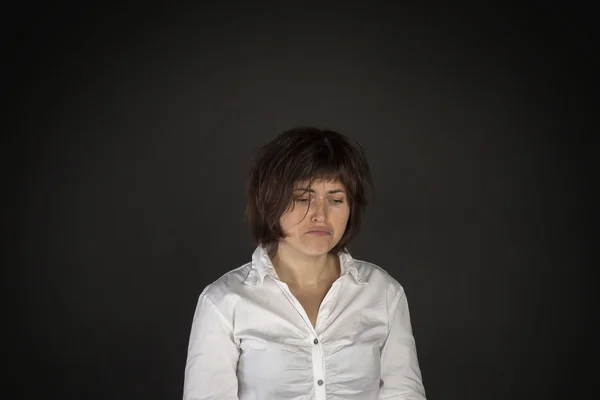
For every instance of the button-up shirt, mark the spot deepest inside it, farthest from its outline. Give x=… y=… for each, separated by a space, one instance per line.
x=251 y=338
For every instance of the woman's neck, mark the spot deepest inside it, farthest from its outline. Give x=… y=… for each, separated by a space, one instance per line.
x=301 y=270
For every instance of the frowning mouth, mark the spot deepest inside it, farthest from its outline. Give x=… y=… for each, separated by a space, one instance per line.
x=319 y=232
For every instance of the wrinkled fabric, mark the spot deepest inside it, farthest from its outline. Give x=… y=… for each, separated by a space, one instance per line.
x=251 y=339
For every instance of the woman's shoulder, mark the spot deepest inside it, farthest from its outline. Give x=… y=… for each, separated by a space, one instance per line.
x=377 y=276
x=228 y=284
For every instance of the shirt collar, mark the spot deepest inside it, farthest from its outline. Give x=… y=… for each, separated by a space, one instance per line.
x=262 y=266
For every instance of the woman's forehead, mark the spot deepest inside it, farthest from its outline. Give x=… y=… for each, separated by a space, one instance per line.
x=326 y=184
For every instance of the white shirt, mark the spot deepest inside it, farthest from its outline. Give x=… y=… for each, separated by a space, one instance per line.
x=252 y=340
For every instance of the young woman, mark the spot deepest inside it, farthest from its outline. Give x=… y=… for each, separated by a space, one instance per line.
x=304 y=319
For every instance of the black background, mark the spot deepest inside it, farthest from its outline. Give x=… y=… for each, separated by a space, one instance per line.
x=131 y=129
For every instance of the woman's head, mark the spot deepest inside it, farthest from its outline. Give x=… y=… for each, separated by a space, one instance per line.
x=307 y=180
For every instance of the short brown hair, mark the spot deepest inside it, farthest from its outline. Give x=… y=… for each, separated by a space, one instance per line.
x=299 y=155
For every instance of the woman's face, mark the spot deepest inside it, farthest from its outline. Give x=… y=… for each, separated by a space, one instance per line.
x=316 y=228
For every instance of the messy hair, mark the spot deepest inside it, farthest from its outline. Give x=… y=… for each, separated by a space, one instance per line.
x=298 y=155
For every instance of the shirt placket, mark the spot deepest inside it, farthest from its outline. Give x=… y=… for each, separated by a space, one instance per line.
x=318 y=364
x=318 y=356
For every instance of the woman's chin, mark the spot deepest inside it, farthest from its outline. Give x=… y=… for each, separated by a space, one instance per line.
x=306 y=249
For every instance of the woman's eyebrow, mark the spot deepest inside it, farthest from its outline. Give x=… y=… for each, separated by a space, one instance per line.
x=329 y=191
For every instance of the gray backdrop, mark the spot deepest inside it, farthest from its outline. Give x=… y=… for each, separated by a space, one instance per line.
x=133 y=131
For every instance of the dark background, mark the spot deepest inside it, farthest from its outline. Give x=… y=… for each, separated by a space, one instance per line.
x=130 y=134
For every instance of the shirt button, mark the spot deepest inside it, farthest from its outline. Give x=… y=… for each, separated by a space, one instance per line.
x=315 y=341
x=320 y=382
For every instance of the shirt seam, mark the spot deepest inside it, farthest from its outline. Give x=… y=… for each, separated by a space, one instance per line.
x=219 y=312
x=391 y=312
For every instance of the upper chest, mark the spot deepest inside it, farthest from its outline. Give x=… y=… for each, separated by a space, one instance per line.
x=311 y=296
x=310 y=300
x=345 y=311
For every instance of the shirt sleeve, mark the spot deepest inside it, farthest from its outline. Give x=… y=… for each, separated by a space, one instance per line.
x=400 y=372
x=210 y=370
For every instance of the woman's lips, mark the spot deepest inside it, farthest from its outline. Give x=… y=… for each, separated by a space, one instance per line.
x=318 y=233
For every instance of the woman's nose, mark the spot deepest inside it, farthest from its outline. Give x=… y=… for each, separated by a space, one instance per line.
x=319 y=211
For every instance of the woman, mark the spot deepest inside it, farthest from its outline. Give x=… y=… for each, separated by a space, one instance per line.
x=303 y=319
